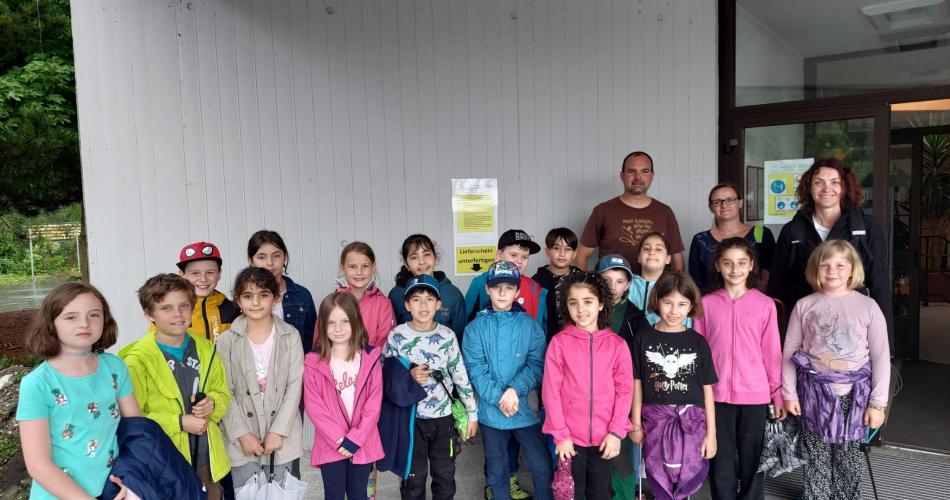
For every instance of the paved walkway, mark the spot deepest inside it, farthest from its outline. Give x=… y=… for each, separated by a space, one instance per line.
x=469 y=479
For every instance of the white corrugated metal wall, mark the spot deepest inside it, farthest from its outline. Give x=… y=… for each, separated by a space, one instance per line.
x=331 y=121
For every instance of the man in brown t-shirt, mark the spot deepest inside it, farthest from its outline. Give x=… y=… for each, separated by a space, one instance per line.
x=618 y=224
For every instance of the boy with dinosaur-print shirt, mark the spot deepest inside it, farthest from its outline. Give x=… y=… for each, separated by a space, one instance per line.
x=436 y=364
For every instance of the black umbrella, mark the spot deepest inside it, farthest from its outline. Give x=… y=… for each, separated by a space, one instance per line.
x=781 y=451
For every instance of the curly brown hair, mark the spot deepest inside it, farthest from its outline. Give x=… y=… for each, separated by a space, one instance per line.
x=41 y=339
x=851 y=196
x=596 y=284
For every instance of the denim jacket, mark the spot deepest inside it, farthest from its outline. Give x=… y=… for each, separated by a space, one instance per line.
x=300 y=312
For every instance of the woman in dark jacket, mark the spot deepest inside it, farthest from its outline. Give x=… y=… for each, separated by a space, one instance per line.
x=830 y=198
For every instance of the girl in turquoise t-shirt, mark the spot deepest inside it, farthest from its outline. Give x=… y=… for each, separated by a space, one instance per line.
x=70 y=404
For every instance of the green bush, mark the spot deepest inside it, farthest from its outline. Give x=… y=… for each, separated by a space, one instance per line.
x=51 y=258
x=9 y=448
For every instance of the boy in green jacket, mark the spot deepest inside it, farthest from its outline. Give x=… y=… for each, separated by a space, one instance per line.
x=169 y=367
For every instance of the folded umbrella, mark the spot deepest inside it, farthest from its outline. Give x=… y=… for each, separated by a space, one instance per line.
x=781 y=449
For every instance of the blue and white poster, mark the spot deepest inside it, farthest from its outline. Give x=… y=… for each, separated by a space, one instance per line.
x=781 y=182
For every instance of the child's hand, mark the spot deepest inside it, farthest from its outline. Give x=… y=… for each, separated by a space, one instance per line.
x=204 y=408
x=781 y=413
x=709 y=446
x=873 y=418
x=341 y=450
x=420 y=374
x=636 y=434
x=194 y=425
x=509 y=402
x=793 y=407
x=272 y=442
x=123 y=491
x=609 y=447
x=565 y=450
x=472 y=428
x=251 y=445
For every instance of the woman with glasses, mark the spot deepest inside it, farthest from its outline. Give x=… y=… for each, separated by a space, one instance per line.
x=726 y=204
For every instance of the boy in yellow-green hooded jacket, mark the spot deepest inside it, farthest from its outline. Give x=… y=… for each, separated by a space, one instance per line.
x=169 y=366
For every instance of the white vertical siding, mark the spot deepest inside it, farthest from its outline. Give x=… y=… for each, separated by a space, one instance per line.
x=331 y=121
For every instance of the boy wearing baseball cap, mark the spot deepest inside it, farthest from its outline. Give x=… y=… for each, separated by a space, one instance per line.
x=504 y=349
x=626 y=320
x=516 y=247
x=200 y=264
x=436 y=363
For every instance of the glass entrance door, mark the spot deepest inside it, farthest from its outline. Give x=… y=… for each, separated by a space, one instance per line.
x=920 y=208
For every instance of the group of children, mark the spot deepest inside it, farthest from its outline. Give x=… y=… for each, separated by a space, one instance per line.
x=569 y=369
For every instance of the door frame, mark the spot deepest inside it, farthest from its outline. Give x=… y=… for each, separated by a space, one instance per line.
x=733 y=120
x=914 y=136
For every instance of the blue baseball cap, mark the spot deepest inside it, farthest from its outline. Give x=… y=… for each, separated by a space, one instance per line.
x=503 y=271
x=423 y=281
x=614 y=261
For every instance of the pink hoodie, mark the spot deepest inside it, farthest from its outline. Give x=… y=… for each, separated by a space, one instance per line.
x=746 y=349
x=378 y=316
x=325 y=409
x=587 y=386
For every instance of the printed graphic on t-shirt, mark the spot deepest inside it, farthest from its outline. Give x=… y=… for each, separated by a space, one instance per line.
x=344 y=380
x=632 y=230
x=190 y=362
x=832 y=342
x=670 y=369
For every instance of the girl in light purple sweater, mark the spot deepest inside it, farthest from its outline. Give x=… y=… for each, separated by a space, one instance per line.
x=836 y=370
x=739 y=323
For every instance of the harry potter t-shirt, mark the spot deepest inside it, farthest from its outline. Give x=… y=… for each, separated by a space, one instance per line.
x=673 y=367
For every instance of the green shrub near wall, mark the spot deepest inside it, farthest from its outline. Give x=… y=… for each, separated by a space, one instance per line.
x=51 y=258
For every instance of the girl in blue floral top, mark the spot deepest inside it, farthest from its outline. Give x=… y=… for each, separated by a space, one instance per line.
x=71 y=403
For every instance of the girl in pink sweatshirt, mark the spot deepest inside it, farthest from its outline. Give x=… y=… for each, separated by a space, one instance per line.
x=343 y=394
x=587 y=386
x=739 y=323
x=836 y=370
x=358 y=276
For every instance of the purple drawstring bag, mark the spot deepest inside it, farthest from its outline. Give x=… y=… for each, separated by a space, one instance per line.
x=562 y=487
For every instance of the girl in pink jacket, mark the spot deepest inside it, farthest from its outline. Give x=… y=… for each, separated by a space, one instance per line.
x=587 y=386
x=358 y=272
x=739 y=323
x=343 y=393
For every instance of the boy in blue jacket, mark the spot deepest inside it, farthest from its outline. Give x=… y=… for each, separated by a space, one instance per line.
x=503 y=349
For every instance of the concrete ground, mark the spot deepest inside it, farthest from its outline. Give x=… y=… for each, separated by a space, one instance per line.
x=469 y=479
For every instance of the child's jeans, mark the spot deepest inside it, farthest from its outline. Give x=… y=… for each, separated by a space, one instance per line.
x=344 y=478
x=591 y=473
x=497 y=454
x=433 y=450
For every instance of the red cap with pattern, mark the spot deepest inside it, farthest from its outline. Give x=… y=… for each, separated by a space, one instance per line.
x=201 y=250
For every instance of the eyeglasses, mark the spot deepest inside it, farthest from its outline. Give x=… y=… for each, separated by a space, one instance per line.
x=725 y=201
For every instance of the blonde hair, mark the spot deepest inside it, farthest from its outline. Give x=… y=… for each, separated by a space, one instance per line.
x=824 y=252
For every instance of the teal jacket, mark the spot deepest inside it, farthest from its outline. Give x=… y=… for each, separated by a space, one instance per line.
x=501 y=350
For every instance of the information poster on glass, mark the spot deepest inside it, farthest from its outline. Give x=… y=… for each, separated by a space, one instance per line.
x=475 y=224
x=781 y=181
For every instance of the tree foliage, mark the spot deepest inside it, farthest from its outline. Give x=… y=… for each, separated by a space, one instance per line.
x=39 y=138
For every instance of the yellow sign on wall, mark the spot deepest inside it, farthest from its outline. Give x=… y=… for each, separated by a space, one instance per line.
x=474 y=224
x=473 y=259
